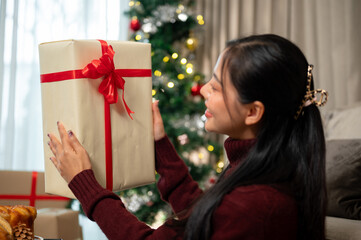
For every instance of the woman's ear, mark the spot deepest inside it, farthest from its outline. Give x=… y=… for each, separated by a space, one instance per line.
x=255 y=113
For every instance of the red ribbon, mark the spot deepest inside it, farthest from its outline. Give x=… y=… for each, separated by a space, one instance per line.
x=33 y=197
x=113 y=79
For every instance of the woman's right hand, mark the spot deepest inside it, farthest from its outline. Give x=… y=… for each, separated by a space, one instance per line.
x=70 y=157
x=158 y=126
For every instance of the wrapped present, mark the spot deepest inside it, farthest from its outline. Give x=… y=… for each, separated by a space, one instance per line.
x=55 y=223
x=81 y=82
x=27 y=188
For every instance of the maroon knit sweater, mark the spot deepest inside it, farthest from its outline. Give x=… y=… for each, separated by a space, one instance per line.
x=253 y=212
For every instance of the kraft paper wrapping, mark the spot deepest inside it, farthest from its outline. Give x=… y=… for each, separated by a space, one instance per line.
x=78 y=104
x=16 y=189
x=52 y=223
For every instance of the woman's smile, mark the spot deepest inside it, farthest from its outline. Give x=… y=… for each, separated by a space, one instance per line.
x=208 y=114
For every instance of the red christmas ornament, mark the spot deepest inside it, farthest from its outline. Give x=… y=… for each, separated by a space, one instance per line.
x=212 y=180
x=196 y=89
x=135 y=24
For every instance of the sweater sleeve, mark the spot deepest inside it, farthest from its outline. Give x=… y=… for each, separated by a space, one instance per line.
x=108 y=211
x=175 y=184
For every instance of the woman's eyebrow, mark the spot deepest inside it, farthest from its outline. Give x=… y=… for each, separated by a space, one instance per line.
x=217 y=79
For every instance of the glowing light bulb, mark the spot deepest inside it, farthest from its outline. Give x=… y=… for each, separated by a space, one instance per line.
x=166 y=59
x=183 y=61
x=138 y=37
x=190 y=41
x=210 y=148
x=154 y=92
x=170 y=84
x=157 y=73
x=180 y=76
x=175 y=55
x=220 y=164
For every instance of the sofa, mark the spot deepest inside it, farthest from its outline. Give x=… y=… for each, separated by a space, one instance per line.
x=343 y=172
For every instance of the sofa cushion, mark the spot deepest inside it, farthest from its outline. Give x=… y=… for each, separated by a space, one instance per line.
x=343 y=123
x=343 y=178
x=342 y=229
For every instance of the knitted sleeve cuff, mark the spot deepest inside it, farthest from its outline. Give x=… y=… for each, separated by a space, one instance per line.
x=88 y=191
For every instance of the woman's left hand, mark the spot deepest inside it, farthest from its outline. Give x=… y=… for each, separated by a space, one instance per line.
x=70 y=157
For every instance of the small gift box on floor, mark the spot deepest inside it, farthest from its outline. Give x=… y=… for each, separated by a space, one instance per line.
x=27 y=188
x=55 y=223
x=81 y=82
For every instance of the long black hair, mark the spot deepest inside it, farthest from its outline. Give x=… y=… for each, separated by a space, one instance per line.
x=272 y=70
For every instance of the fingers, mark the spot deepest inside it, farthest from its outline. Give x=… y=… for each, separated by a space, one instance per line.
x=70 y=158
x=156 y=113
x=55 y=162
x=54 y=144
x=68 y=141
x=56 y=148
x=74 y=142
x=158 y=128
x=51 y=145
x=63 y=135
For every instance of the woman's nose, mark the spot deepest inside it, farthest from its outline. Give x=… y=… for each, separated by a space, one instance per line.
x=204 y=90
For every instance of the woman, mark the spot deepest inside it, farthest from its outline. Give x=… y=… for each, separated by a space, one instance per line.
x=260 y=95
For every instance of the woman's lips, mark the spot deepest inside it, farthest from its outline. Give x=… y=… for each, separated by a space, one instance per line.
x=208 y=114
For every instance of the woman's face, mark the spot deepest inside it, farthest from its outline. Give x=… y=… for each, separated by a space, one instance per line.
x=225 y=115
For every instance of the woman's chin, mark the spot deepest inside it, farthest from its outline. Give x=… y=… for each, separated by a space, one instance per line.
x=208 y=127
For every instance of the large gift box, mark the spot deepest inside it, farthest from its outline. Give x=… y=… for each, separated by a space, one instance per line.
x=93 y=87
x=27 y=188
x=55 y=223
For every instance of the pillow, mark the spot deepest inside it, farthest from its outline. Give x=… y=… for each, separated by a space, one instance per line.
x=343 y=122
x=343 y=178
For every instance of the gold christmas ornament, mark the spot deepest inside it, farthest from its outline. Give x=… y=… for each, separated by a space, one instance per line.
x=192 y=43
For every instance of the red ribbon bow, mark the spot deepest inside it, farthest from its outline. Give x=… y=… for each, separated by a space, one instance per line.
x=104 y=66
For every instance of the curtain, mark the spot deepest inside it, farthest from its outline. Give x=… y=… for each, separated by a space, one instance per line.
x=327 y=31
x=23 y=25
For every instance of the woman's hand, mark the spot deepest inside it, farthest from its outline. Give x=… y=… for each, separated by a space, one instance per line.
x=70 y=157
x=158 y=126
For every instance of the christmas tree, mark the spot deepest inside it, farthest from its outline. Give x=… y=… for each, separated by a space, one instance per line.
x=171 y=28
